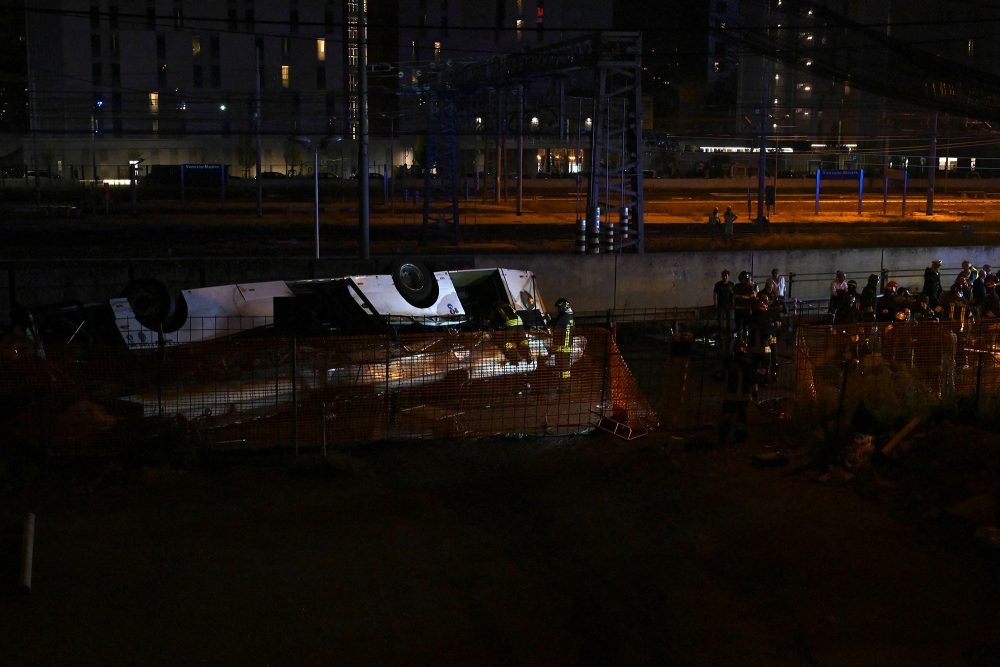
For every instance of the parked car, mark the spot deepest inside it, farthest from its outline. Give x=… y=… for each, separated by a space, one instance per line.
x=268 y=175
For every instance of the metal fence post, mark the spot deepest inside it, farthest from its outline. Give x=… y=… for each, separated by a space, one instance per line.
x=295 y=396
x=594 y=231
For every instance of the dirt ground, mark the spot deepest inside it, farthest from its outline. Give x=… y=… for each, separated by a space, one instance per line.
x=547 y=224
x=568 y=551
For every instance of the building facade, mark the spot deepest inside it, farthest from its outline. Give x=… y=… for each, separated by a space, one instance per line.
x=177 y=81
x=842 y=78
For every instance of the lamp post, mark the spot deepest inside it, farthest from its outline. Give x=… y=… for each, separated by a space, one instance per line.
x=133 y=168
x=316 y=195
x=93 y=147
x=315 y=148
x=777 y=162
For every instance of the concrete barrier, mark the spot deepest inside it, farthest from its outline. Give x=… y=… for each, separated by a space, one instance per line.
x=591 y=282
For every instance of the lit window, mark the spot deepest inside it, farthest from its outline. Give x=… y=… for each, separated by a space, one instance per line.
x=196 y=45
x=970 y=48
x=154 y=103
x=534 y=122
x=588 y=123
x=519 y=28
x=321 y=50
x=156 y=126
x=286 y=75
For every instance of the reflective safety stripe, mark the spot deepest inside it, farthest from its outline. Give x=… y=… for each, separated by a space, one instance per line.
x=567 y=344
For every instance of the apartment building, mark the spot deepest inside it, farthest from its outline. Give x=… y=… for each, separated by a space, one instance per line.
x=846 y=77
x=179 y=81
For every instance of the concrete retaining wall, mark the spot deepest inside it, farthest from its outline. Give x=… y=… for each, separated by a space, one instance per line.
x=685 y=279
x=591 y=283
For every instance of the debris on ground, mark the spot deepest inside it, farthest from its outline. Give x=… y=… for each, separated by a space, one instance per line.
x=988 y=535
x=768 y=459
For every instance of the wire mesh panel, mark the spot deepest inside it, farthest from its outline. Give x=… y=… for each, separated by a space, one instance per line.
x=906 y=362
x=280 y=391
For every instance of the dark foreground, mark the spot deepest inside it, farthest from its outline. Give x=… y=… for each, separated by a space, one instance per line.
x=583 y=550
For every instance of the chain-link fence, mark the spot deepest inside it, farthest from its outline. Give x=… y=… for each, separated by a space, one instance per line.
x=898 y=370
x=627 y=372
x=288 y=391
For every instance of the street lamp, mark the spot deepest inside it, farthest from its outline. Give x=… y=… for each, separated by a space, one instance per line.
x=316 y=148
x=133 y=169
x=777 y=163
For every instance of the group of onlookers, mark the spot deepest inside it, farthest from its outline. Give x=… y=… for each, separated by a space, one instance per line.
x=972 y=295
x=747 y=317
x=745 y=311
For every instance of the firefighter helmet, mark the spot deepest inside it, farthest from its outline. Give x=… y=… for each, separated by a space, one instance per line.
x=890 y=286
x=562 y=304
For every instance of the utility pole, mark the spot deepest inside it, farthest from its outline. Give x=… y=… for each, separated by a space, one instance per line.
x=520 y=148
x=499 y=157
x=762 y=158
x=256 y=125
x=363 y=194
x=932 y=164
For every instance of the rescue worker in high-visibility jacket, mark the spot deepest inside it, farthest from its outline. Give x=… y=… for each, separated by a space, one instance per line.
x=562 y=337
x=510 y=334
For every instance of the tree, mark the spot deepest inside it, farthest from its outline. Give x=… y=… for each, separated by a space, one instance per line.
x=293 y=154
x=246 y=153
